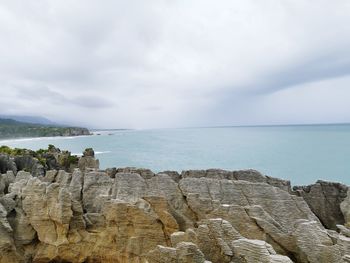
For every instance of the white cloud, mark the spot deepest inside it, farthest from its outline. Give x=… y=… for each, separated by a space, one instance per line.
x=165 y=63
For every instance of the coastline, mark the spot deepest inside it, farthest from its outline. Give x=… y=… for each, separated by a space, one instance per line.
x=197 y=215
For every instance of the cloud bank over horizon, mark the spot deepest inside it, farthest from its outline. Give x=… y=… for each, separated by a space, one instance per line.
x=159 y=63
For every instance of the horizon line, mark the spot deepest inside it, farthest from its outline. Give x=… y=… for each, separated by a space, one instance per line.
x=225 y=126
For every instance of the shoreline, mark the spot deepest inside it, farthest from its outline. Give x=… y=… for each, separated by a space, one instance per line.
x=197 y=216
x=15 y=139
x=109 y=155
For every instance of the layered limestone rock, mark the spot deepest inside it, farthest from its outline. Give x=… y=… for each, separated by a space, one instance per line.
x=88 y=160
x=7 y=163
x=345 y=208
x=324 y=199
x=134 y=215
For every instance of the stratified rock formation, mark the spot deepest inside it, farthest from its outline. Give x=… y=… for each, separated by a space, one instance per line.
x=83 y=214
x=324 y=199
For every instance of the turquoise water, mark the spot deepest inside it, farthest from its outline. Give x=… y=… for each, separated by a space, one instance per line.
x=302 y=154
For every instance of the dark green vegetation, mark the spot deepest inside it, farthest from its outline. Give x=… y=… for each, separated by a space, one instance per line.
x=19 y=151
x=50 y=158
x=14 y=129
x=39 y=154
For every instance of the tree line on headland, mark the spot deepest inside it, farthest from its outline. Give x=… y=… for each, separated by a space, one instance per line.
x=10 y=128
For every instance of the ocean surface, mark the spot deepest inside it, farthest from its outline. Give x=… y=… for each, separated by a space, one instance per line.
x=301 y=154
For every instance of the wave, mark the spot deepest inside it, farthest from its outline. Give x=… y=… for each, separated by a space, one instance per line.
x=97 y=152
x=41 y=138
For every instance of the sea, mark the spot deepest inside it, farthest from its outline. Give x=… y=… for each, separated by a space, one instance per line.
x=302 y=154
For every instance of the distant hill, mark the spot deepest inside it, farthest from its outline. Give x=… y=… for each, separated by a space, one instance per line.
x=10 y=128
x=30 y=119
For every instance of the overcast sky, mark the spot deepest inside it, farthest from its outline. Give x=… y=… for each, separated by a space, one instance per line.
x=150 y=64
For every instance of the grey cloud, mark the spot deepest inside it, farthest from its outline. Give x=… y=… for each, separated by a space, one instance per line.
x=92 y=102
x=200 y=62
x=41 y=93
x=317 y=69
x=45 y=93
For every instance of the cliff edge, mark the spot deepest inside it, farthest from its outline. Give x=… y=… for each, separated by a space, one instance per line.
x=56 y=211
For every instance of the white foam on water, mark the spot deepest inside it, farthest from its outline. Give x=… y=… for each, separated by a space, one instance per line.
x=102 y=152
x=96 y=152
x=41 y=138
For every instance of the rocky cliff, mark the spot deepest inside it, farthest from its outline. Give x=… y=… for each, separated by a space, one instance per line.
x=83 y=214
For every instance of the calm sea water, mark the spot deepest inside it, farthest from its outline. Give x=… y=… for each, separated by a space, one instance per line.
x=302 y=154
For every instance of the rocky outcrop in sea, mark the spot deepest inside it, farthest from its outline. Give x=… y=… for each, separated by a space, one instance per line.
x=79 y=213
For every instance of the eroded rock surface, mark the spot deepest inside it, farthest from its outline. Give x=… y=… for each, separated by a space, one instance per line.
x=133 y=215
x=324 y=199
x=345 y=208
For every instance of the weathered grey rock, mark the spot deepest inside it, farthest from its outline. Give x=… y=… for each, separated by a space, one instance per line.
x=59 y=160
x=144 y=173
x=345 y=209
x=29 y=164
x=210 y=173
x=314 y=243
x=220 y=242
x=344 y=230
x=188 y=252
x=185 y=252
x=89 y=152
x=256 y=251
x=23 y=232
x=163 y=185
x=249 y=175
x=133 y=215
x=346 y=258
x=280 y=183
x=86 y=162
x=2 y=186
x=48 y=208
x=50 y=176
x=96 y=189
x=324 y=199
x=188 y=236
x=8 y=252
x=174 y=175
x=111 y=172
x=9 y=177
x=343 y=243
x=162 y=254
x=214 y=237
x=5 y=181
x=7 y=163
x=129 y=187
x=22 y=175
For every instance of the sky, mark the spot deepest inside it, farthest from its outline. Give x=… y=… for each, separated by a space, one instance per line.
x=182 y=63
